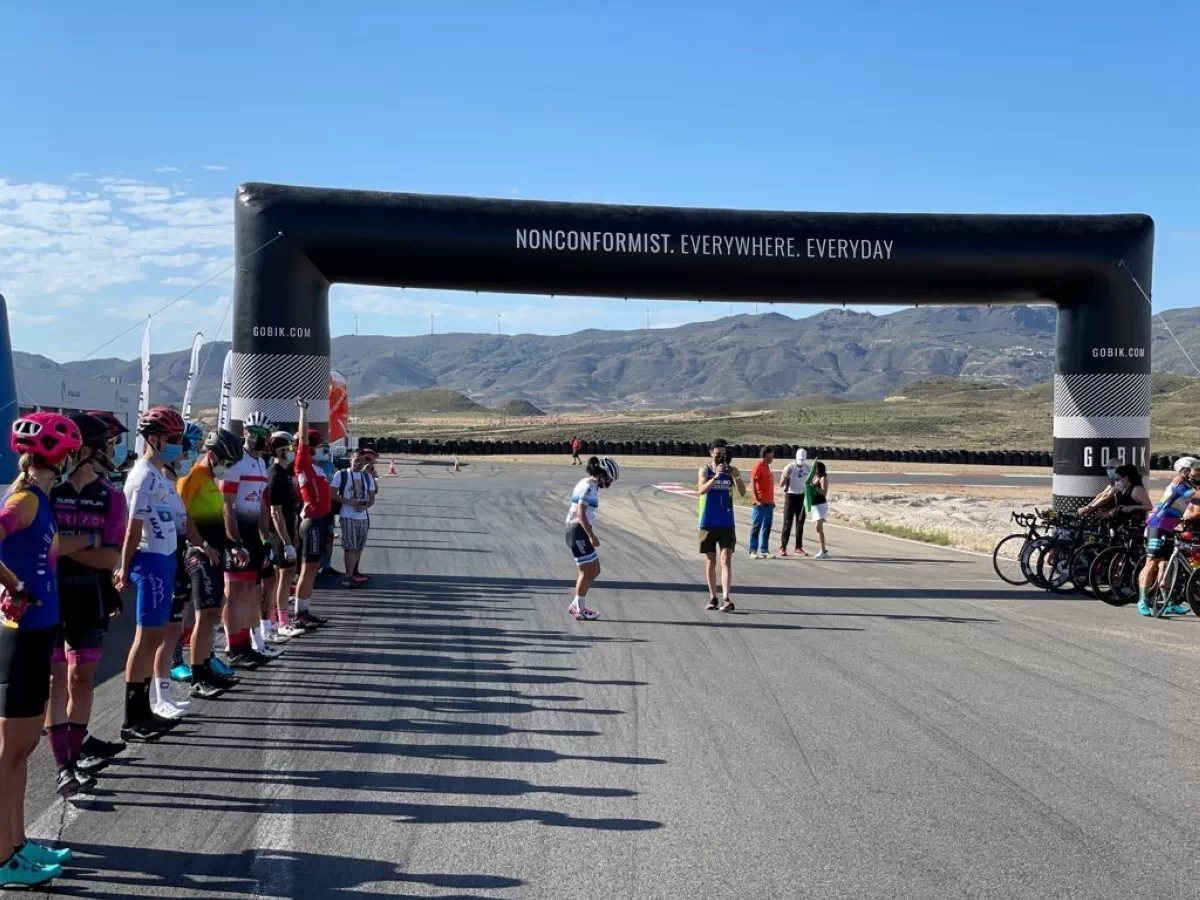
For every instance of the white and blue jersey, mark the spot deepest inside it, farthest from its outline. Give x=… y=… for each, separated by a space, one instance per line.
x=586 y=499
x=154 y=502
x=586 y=496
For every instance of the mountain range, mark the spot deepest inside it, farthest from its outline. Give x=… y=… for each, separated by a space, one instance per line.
x=837 y=352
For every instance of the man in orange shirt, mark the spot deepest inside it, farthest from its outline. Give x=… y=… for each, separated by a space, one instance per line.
x=763 y=512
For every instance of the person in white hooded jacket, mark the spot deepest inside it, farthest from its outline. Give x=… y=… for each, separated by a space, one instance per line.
x=792 y=480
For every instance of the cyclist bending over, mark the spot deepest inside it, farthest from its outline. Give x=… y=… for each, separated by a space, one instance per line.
x=581 y=539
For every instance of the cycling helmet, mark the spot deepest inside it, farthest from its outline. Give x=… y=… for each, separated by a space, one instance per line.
x=278 y=440
x=116 y=427
x=50 y=435
x=193 y=435
x=92 y=431
x=161 y=420
x=610 y=467
x=258 y=424
x=224 y=445
x=1185 y=462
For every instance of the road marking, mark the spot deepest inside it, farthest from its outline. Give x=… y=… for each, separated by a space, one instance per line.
x=673 y=487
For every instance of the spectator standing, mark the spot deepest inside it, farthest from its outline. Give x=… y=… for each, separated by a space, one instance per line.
x=576 y=449
x=793 y=480
x=816 y=501
x=355 y=490
x=762 y=513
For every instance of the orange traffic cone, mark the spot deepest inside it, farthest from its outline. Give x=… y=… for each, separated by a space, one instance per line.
x=392 y=467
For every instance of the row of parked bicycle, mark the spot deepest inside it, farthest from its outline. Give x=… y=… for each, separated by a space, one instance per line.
x=1096 y=556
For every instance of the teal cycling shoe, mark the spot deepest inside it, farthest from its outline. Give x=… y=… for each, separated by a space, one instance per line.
x=181 y=672
x=219 y=666
x=1144 y=607
x=41 y=855
x=1177 y=609
x=19 y=871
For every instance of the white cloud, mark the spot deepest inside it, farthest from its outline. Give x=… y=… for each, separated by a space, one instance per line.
x=212 y=167
x=163 y=169
x=96 y=242
x=23 y=318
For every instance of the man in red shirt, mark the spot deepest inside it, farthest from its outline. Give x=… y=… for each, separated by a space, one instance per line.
x=576 y=447
x=314 y=516
x=763 y=512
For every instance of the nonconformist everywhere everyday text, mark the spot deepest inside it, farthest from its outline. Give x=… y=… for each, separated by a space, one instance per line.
x=566 y=239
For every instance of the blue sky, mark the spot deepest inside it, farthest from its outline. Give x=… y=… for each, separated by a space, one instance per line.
x=132 y=124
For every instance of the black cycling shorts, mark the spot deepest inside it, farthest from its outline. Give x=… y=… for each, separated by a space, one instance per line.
x=580 y=545
x=255 y=550
x=312 y=538
x=208 y=589
x=25 y=671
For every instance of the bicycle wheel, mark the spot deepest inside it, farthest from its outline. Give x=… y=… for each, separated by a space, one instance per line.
x=1006 y=559
x=1123 y=574
x=1030 y=560
x=1193 y=591
x=1098 y=577
x=1054 y=566
x=1081 y=566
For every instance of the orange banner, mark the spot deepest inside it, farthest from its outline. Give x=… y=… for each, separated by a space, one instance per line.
x=339 y=407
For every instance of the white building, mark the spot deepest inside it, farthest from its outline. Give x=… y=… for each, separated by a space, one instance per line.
x=38 y=389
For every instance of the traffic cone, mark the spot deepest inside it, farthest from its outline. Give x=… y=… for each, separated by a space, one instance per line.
x=392 y=467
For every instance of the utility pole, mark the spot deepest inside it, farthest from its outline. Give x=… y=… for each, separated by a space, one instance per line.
x=499 y=330
x=647 y=319
x=431 y=315
x=356 y=326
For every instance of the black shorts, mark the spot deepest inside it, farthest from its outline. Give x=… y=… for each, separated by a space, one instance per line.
x=312 y=538
x=712 y=538
x=278 y=557
x=25 y=671
x=82 y=606
x=207 y=585
x=255 y=550
x=581 y=546
x=110 y=596
x=1160 y=544
x=182 y=595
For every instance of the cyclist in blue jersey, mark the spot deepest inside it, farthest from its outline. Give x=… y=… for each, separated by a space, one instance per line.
x=581 y=538
x=49 y=446
x=718 y=526
x=1178 y=502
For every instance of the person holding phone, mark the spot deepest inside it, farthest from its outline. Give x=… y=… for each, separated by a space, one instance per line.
x=718 y=527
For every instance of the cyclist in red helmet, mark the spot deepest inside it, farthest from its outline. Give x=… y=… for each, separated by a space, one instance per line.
x=49 y=446
x=148 y=560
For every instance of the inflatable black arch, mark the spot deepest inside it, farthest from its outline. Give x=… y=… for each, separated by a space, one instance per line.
x=293 y=242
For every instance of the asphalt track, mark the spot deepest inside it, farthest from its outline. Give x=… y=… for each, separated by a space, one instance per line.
x=893 y=722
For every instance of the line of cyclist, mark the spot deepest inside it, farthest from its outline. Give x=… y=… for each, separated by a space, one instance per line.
x=1177 y=508
x=223 y=539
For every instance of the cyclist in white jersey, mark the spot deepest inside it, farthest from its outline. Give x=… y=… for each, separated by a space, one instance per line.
x=248 y=528
x=581 y=539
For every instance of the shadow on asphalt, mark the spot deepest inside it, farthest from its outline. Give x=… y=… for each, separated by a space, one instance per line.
x=433 y=667
x=446 y=585
x=113 y=873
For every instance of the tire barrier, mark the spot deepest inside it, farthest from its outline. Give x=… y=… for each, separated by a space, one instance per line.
x=438 y=447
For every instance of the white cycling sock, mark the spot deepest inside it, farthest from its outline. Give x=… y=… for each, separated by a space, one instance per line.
x=162 y=690
x=256 y=639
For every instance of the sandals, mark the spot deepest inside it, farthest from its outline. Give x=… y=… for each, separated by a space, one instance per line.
x=727 y=606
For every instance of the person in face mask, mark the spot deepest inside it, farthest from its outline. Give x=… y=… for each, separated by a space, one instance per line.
x=84 y=504
x=1105 y=498
x=323 y=462
x=205 y=506
x=284 y=520
x=793 y=480
x=245 y=490
x=148 y=562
